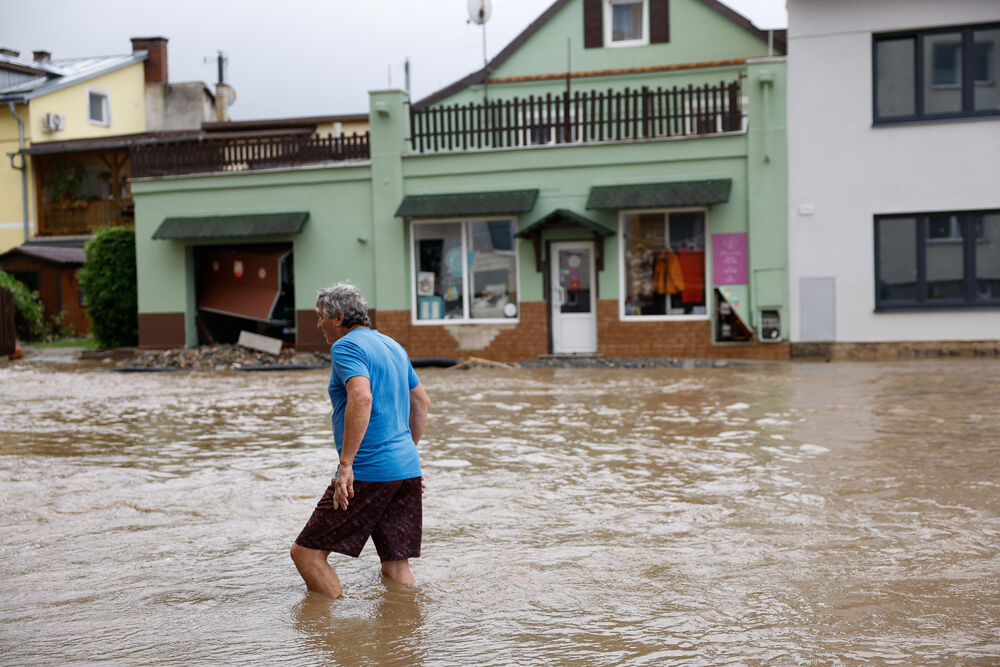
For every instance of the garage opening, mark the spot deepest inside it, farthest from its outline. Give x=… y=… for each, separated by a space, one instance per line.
x=244 y=288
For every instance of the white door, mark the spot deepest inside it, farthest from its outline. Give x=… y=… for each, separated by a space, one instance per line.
x=574 y=298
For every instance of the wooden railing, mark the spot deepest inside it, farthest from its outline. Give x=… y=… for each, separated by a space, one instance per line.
x=623 y=115
x=193 y=156
x=79 y=218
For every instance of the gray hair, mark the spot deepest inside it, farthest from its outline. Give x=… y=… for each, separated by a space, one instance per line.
x=344 y=299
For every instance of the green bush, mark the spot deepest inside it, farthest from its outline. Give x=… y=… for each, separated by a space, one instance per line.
x=57 y=328
x=107 y=279
x=28 y=319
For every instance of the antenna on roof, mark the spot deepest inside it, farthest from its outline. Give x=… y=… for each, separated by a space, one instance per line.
x=479 y=13
x=222 y=61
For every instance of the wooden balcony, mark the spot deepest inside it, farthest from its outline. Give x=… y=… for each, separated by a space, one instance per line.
x=582 y=117
x=79 y=218
x=199 y=155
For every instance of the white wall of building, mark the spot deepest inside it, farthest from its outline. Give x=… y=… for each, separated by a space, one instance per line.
x=843 y=170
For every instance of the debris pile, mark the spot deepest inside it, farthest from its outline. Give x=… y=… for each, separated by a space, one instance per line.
x=223 y=358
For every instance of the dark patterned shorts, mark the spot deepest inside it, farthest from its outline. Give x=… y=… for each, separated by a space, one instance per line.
x=390 y=512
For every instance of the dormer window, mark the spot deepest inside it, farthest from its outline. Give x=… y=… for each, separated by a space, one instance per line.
x=98 y=107
x=616 y=23
x=626 y=23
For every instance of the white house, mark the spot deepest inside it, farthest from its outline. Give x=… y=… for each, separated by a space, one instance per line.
x=894 y=171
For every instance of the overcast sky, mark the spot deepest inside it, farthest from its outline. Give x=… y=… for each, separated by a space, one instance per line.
x=294 y=57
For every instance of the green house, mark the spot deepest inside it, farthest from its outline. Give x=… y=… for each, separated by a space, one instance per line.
x=613 y=182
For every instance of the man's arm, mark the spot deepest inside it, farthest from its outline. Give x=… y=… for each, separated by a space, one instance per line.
x=356 y=416
x=419 y=405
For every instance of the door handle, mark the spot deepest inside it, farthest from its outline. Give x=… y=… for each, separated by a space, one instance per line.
x=561 y=292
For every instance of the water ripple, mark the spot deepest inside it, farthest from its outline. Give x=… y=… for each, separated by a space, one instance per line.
x=771 y=514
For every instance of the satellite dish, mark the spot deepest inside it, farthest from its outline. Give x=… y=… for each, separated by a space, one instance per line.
x=479 y=11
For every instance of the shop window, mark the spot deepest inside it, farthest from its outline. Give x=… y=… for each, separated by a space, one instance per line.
x=937 y=260
x=663 y=260
x=465 y=270
x=98 y=107
x=930 y=74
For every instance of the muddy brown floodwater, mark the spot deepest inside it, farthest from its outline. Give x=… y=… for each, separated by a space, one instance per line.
x=830 y=514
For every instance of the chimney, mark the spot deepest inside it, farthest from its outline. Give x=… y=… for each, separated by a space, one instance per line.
x=42 y=56
x=224 y=98
x=156 y=60
x=9 y=52
x=224 y=93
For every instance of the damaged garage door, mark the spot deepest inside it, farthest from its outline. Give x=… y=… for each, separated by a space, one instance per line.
x=245 y=287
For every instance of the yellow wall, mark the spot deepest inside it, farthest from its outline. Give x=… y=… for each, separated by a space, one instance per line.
x=11 y=213
x=126 y=88
x=128 y=107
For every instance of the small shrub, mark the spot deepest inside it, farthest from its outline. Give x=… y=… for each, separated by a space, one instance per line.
x=107 y=279
x=28 y=319
x=58 y=329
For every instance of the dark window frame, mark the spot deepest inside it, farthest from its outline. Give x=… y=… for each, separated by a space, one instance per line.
x=657 y=30
x=922 y=302
x=968 y=82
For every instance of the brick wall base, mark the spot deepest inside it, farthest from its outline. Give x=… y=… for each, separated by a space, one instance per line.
x=684 y=339
x=529 y=338
x=161 y=331
x=893 y=351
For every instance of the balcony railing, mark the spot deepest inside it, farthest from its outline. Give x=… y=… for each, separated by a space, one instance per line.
x=82 y=217
x=624 y=115
x=194 y=156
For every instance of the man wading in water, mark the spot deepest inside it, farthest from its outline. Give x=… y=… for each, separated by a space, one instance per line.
x=379 y=412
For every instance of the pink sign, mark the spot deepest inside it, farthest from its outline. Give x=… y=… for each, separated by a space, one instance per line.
x=729 y=259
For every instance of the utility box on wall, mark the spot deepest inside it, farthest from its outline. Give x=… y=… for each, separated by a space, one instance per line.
x=769 y=326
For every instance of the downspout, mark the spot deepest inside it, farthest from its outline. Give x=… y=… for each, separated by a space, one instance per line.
x=23 y=169
x=766 y=80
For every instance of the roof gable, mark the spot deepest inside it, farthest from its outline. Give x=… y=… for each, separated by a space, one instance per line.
x=553 y=44
x=61 y=73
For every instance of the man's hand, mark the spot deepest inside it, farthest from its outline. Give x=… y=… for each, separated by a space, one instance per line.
x=343 y=486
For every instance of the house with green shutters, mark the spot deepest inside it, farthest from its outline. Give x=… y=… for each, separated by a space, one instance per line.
x=613 y=182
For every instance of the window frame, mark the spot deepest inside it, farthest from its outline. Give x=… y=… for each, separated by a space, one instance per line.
x=106 y=106
x=967 y=83
x=991 y=73
x=921 y=302
x=622 y=285
x=535 y=125
x=609 y=24
x=466 y=292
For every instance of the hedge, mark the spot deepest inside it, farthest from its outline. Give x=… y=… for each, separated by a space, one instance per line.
x=28 y=320
x=107 y=279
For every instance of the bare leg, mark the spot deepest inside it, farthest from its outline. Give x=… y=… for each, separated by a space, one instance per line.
x=398 y=570
x=317 y=573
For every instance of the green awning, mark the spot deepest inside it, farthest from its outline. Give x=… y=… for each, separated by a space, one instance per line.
x=660 y=195
x=562 y=217
x=232 y=226
x=504 y=202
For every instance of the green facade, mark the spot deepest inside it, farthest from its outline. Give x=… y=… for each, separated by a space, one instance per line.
x=335 y=244
x=353 y=234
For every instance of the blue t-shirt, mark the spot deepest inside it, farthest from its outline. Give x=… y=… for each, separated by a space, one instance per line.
x=387 y=451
